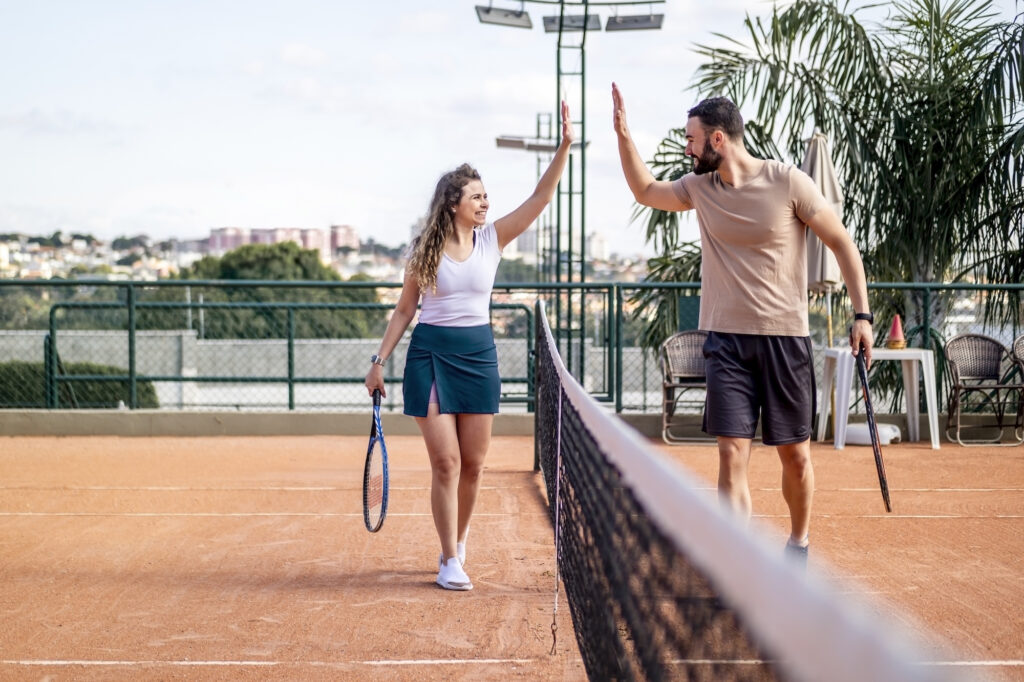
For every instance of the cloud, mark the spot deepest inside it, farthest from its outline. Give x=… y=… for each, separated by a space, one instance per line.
x=303 y=56
x=59 y=122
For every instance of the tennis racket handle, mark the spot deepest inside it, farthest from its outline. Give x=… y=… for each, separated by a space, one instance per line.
x=376 y=397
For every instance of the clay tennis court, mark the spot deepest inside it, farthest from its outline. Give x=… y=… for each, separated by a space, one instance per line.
x=246 y=558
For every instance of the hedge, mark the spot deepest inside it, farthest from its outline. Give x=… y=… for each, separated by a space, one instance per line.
x=23 y=385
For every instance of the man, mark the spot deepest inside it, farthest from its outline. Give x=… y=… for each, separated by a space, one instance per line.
x=752 y=214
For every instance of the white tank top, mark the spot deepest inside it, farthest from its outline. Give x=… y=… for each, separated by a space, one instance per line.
x=463 y=296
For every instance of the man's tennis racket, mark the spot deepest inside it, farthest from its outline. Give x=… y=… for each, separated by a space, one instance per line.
x=375 y=473
x=862 y=370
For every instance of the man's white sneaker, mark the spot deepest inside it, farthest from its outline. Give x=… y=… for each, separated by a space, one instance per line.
x=452 y=577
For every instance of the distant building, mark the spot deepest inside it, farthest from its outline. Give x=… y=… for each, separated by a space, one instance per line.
x=275 y=235
x=343 y=236
x=317 y=240
x=523 y=247
x=597 y=246
x=224 y=239
x=5 y=258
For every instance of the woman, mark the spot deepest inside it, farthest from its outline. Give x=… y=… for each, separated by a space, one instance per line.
x=451 y=382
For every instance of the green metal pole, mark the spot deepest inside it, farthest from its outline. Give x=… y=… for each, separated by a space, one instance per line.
x=531 y=351
x=133 y=389
x=51 y=364
x=583 y=149
x=927 y=319
x=568 y=279
x=291 y=358
x=618 y=348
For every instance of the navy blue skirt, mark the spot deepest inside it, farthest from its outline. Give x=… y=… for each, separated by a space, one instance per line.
x=462 y=361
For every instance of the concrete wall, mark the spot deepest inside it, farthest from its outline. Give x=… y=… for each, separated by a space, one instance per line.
x=179 y=423
x=180 y=354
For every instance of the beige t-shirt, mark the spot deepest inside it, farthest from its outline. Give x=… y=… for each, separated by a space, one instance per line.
x=753 y=244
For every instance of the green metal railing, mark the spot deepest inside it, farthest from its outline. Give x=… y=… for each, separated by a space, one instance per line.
x=54 y=376
x=596 y=346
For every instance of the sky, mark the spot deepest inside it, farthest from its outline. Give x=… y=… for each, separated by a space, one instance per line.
x=171 y=118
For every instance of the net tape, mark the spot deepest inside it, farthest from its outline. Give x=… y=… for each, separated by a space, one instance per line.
x=661 y=584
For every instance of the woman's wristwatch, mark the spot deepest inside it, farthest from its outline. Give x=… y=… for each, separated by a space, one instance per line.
x=859 y=316
x=377 y=360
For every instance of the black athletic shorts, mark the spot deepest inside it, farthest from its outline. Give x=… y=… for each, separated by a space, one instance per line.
x=751 y=376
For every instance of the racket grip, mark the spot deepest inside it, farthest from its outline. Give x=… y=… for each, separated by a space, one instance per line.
x=376 y=397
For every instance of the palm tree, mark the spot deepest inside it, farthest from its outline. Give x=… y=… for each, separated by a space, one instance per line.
x=924 y=111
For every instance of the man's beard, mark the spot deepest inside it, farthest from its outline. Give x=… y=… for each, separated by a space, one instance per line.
x=708 y=161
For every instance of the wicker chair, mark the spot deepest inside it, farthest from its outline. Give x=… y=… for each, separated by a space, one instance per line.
x=682 y=366
x=1017 y=351
x=983 y=380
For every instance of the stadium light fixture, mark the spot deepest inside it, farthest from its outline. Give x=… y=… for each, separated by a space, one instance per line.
x=532 y=144
x=572 y=22
x=510 y=142
x=504 y=17
x=634 y=22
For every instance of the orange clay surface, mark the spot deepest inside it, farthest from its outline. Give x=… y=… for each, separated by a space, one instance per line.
x=246 y=558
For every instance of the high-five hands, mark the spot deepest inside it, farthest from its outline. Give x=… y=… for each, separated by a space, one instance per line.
x=619 y=112
x=568 y=134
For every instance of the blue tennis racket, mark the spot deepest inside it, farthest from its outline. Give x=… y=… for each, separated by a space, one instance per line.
x=375 y=474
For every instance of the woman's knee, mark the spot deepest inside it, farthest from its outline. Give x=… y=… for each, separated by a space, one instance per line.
x=472 y=468
x=446 y=467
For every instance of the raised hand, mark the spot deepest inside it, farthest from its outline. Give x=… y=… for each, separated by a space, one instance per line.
x=619 y=112
x=568 y=135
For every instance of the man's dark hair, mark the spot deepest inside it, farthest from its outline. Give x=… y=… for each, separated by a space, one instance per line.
x=720 y=112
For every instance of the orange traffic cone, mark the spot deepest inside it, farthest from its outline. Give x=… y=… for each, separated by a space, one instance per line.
x=896 y=339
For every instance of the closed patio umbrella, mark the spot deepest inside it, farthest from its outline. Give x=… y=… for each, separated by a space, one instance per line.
x=823 y=275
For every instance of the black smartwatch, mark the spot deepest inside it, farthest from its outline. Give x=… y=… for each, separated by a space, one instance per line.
x=865 y=316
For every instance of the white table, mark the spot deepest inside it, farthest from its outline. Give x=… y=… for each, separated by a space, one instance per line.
x=840 y=363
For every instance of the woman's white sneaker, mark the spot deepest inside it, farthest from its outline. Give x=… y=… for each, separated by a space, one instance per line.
x=452 y=577
x=460 y=551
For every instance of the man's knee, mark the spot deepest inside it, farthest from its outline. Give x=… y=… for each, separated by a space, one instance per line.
x=796 y=458
x=733 y=457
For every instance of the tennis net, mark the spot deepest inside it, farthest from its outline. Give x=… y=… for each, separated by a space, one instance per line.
x=662 y=584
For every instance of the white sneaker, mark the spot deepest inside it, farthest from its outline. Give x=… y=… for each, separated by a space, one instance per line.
x=452 y=577
x=460 y=551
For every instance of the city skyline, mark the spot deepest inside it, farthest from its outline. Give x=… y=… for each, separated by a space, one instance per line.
x=124 y=118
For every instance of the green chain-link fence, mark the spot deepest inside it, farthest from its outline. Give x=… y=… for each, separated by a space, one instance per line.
x=258 y=345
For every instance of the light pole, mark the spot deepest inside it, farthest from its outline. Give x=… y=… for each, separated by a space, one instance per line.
x=569 y=238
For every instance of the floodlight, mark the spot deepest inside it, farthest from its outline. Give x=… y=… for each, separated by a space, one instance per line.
x=543 y=146
x=503 y=17
x=540 y=144
x=634 y=22
x=510 y=142
x=572 y=22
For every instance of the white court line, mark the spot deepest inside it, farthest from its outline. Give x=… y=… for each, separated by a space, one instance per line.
x=493 y=514
x=899 y=516
x=186 y=488
x=267 y=664
x=247 y=514
x=429 y=662
x=995 y=664
x=898 y=490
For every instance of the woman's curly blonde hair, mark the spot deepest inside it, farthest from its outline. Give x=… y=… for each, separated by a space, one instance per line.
x=426 y=250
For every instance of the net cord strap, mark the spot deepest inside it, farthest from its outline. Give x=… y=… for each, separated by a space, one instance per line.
x=818 y=634
x=557 y=504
